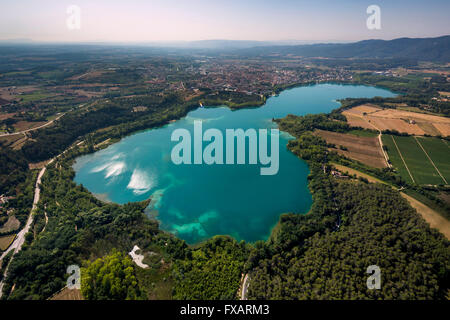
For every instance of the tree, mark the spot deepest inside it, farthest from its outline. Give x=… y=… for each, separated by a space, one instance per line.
x=109 y=278
x=212 y=271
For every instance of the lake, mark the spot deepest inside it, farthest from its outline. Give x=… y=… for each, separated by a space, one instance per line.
x=196 y=202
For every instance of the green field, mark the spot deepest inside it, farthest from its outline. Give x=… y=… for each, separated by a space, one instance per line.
x=34 y=96
x=395 y=158
x=420 y=167
x=439 y=152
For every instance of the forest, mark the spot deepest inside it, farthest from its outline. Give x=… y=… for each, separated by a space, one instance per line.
x=374 y=226
x=352 y=225
x=212 y=270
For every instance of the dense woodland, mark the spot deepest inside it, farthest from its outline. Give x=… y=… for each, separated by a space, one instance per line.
x=351 y=225
x=375 y=226
x=110 y=277
x=212 y=271
x=13 y=169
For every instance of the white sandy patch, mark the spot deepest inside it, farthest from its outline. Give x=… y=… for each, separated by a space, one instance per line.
x=137 y=258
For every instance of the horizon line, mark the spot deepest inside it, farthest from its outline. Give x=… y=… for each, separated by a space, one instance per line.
x=173 y=42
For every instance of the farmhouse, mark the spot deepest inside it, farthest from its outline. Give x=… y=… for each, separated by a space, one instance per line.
x=339 y=175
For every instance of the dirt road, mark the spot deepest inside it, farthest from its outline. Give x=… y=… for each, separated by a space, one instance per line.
x=429 y=215
x=20 y=238
x=32 y=129
x=244 y=287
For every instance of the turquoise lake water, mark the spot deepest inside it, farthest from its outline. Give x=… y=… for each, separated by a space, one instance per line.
x=196 y=202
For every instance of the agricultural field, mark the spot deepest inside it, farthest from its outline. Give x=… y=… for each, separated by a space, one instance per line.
x=6 y=241
x=25 y=125
x=361 y=146
x=68 y=294
x=10 y=225
x=364 y=133
x=439 y=151
x=35 y=96
x=396 y=159
x=15 y=93
x=420 y=160
x=372 y=117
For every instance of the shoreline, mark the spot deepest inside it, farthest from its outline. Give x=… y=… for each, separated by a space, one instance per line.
x=269 y=233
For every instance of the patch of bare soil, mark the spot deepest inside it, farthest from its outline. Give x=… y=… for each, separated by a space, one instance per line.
x=364 y=149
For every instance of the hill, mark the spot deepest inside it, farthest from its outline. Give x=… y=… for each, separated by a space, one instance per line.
x=424 y=49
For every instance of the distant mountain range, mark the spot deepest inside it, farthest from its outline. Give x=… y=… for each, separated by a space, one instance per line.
x=199 y=44
x=239 y=44
x=424 y=49
x=420 y=49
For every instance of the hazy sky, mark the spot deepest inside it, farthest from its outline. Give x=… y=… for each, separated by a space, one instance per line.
x=169 y=20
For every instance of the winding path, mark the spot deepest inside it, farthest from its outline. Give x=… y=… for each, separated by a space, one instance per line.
x=244 y=287
x=32 y=129
x=41 y=126
x=386 y=157
x=20 y=238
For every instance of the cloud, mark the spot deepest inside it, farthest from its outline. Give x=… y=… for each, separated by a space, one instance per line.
x=112 y=169
x=141 y=182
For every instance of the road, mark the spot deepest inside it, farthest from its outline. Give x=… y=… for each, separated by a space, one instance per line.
x=429 y=215
x=386 y=158
x=41 y=126
x=32 y=129
x=20 y=238
x=244 y=287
